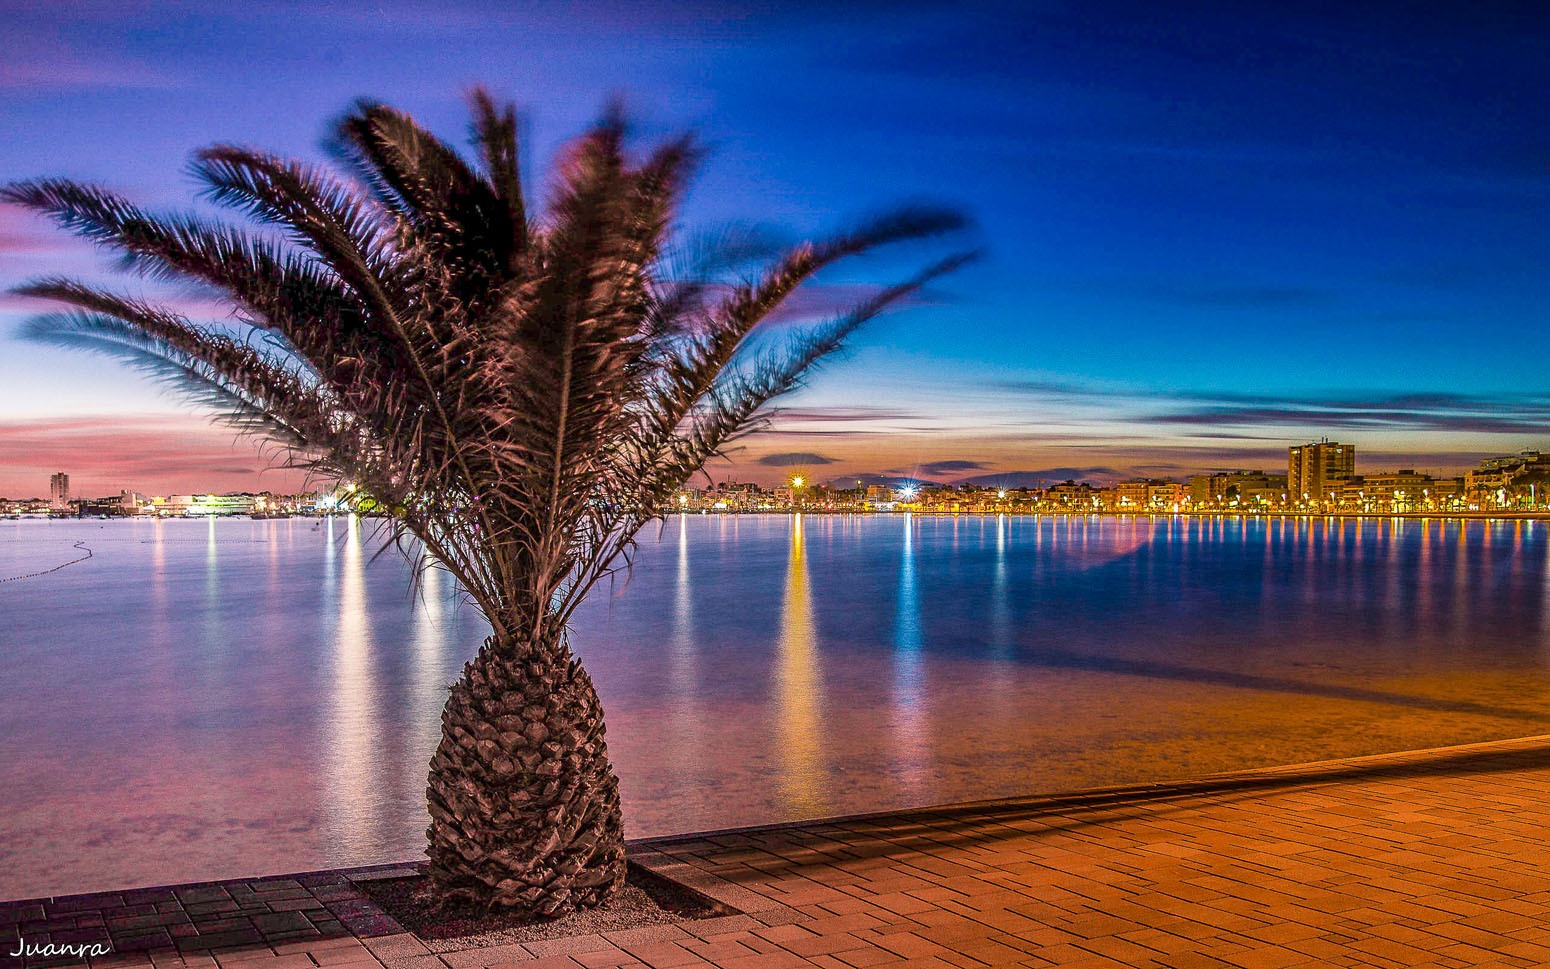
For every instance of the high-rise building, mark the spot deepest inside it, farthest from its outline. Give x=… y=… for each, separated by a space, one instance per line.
x=1314 y=470
x=59 y=491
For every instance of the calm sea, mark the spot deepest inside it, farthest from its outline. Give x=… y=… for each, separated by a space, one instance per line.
x=202 y=699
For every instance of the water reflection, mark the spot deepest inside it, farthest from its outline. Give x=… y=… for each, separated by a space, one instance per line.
x=1544 y=606
x=686 y=740
x=1000 y=607
x=214 y=631
x=160 y=611
x=910 y=717
x=1425 y=565
x=353 y=771
x=755 y=669
x=683 y=651
x=428 y=681
x=796 y=686
x=1460 y=610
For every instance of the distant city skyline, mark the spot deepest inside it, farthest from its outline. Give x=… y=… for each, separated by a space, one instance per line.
x=811 y=473
x=1322 y=477
x=188 y=452
x=1212 y=232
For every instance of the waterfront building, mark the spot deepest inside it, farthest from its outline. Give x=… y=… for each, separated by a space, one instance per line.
x=1400 y=491
x=1166 y=496
x=1383 y=492
x=1315 y=470
x=1447 y=494
x=1143 y=495
x=1072 y=496
x=1207 y=489
x=1126 y=495
x=59 y=491
x=731 y=496
x=1237 y=489
x=25 y=506
x=125 y=504
x=198 y=506
x=1511 y=481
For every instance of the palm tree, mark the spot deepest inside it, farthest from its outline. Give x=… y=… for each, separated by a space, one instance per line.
x=519 y=393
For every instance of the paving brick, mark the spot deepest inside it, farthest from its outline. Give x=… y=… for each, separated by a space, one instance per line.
x=1430 y=857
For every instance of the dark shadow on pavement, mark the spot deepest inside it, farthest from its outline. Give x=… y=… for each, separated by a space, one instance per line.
x=986 y=822
x=1152 y=669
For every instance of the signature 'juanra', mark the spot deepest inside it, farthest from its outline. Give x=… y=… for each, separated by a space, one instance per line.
x=79 y=950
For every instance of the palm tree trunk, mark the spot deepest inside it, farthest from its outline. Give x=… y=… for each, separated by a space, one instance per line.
x=524 y=804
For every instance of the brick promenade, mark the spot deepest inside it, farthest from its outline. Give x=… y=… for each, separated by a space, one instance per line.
x=1434 y=858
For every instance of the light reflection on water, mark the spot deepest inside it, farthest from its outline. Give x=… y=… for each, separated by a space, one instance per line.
x=207 y=699
x=799 y=717
x=912 y=729
x=354 y=769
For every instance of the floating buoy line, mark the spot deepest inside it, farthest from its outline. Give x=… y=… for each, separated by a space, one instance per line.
x=34 y=575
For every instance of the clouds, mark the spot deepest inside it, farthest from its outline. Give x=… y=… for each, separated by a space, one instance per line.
x=1280 y=417
x=1415 y=411
x=868 y=478
x=1046 y=476
x=844 y=415
x=40 y=60
x=846 y=420
x=935 y=469
x=1043 y=430
x=1096 y=474
x=1047 y=428
x=793 y=459
x=23 y=235
x=104 y=454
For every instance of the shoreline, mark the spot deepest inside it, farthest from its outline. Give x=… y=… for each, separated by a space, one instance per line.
x=1315 y=771
x=1539 y=515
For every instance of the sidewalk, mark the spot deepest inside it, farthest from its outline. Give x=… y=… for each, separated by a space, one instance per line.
x=1425 y=858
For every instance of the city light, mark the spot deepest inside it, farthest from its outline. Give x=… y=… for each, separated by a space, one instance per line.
x=1507 y=483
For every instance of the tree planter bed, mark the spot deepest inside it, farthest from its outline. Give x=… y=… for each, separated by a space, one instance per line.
x=647 y=899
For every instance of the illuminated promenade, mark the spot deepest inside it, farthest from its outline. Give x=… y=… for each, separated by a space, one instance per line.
x=1432 y=857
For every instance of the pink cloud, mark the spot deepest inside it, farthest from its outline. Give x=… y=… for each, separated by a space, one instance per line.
x=38 y=60
x=24 y=235
x=153 y=454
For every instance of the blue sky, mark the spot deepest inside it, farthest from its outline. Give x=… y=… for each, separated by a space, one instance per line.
x=1212 y=230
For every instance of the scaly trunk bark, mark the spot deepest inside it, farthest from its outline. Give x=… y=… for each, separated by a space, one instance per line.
x=524 y=804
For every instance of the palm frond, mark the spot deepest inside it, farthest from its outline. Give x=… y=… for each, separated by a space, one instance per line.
x=250 y=392
x=519 y=392
x=495 y=132
x=346 y=231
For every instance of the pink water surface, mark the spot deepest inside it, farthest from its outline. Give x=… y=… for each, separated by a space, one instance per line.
x=204 y=699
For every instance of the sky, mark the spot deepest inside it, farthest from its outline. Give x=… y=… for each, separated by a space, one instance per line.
x=1211 y=230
